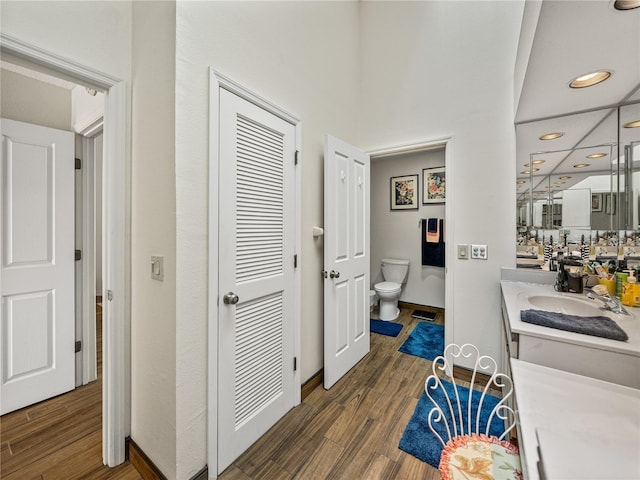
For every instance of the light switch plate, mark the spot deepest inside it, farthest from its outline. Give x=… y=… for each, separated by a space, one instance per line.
x=479 y=252
x=157 y=267
x=463 y=252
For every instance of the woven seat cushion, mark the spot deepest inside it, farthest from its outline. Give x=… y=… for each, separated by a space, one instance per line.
x=479 y=457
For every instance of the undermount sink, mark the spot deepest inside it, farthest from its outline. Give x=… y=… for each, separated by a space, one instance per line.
x=564 y=304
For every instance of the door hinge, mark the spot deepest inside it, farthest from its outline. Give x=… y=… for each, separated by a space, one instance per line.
x=295 y=363
x=78 y=345
x=78 y=164
x=296 y=156
x=295 y=261
x=78 y=255
x=109 y=295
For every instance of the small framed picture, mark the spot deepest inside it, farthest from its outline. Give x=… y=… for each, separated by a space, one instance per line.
x=433 y=185
x=596 y=202
x=404 y=192
x=610 y=203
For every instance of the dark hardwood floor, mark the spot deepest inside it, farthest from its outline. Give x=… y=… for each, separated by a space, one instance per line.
x=351 y=431
x=60 y=438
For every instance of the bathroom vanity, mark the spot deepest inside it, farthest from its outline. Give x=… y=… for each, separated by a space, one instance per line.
x=575 y=427
x=609 y=360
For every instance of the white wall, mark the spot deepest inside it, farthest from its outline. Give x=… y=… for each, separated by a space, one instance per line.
x=303 y=56
x=87 y=109
x=153 y=232
x=434 y=69
x=396 y=233
x=28 y=100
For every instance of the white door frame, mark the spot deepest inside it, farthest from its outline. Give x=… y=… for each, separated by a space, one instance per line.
x=216 y=82
x=449 y=215
x=88 y=245
x=116 y=381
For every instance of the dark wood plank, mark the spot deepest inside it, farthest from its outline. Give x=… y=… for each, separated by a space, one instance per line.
x=60 y=438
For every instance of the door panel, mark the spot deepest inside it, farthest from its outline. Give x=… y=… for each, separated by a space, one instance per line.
x=256 y=248
x=37 y=324
x=346 y=254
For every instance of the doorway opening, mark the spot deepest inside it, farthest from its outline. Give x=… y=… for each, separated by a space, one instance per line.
x=116 y=235
x=402 y=226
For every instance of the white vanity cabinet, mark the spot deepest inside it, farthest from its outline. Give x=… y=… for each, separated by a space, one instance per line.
x=609 y=360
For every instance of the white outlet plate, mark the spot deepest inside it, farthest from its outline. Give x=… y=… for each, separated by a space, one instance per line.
x=479 y=252
x=463 y=252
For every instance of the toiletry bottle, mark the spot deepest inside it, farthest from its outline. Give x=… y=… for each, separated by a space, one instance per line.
x=631 y=292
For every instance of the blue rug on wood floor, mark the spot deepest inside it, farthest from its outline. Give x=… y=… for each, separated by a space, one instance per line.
x=418 y=439
x=385 y=328
x=426 y=341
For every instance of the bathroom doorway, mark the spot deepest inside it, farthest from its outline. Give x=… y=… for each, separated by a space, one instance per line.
x=398 y=233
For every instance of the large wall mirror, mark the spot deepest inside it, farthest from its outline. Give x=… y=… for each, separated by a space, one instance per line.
x=580 y=191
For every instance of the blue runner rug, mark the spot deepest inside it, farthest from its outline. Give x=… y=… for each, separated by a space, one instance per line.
x=385 y=328
x=426 y=341
x=418 y=439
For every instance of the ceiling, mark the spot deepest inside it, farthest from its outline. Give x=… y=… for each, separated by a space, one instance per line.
x=573 y=38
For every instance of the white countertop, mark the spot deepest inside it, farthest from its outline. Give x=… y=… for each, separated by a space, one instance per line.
x=583 y=428
x=515 y=296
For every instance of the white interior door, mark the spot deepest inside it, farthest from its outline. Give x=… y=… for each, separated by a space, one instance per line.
x=37 y=321
x=256 y=273
x=346 y=258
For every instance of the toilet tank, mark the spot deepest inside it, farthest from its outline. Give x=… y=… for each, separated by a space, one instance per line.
x=394 y=269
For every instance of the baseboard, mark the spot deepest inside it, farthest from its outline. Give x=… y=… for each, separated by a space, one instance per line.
x=415 y=306
x=143 y=464
x=311 y=384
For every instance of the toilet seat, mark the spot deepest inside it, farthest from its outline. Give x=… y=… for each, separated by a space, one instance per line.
x=387 y=287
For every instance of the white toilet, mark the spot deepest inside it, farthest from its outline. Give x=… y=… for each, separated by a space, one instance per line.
x=394 y=272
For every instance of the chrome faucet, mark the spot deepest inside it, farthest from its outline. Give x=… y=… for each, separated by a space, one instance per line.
x=610 y=303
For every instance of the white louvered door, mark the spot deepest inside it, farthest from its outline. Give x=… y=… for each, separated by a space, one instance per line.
x=256 y=249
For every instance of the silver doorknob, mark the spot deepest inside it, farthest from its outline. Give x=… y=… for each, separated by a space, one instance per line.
x=334 y=274
x=230 y=298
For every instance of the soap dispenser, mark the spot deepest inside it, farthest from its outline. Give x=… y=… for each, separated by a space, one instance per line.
x=631 y=291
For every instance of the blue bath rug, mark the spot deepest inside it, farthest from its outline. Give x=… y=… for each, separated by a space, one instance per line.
x=426 y=341
x=418 y=439
x=385 y=328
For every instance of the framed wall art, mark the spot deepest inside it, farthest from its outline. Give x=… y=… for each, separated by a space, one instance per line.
x=404 y=192
x=596 y=202
x=433 y=185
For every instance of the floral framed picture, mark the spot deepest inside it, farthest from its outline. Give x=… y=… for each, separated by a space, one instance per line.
x=404 y=192
x=433 y=185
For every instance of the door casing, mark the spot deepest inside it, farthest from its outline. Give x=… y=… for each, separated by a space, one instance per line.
x=116 y=408
x=218 y=81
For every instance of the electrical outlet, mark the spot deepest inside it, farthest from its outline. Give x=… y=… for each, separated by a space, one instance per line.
x=463 y=252
x=479 y=252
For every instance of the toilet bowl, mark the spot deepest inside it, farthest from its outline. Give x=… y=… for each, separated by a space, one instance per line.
x=394 y=272
x=388 y=293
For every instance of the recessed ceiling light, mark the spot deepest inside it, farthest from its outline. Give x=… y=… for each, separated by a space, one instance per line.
x=565 y=177
x=581 y=165
x=521 y=182
x=551 y=136
x=597 y=155
x=538 y=162
x=634 y=124
x=590 y=79
x=527 y=172
x=626 y=4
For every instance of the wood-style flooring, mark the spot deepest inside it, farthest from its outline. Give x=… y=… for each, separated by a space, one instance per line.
x=60 y=438
x=351 y=431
